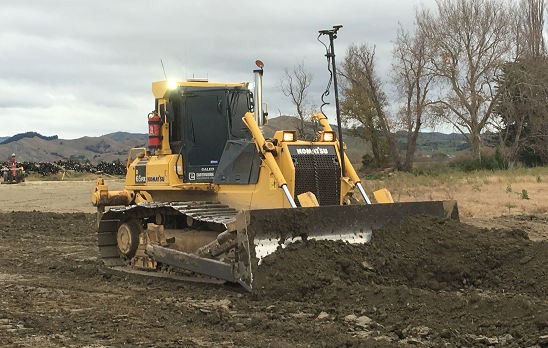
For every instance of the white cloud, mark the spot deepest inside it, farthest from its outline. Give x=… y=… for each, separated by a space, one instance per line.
x=75 y=68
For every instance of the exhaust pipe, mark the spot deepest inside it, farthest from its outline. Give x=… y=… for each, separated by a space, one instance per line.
x=258 y=95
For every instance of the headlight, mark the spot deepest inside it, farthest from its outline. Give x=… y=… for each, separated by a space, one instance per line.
x=250 y=86
x=328 y=136
x=172 y=84
x=288 y=136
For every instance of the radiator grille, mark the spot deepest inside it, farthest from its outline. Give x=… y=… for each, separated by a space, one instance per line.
x=319 y=174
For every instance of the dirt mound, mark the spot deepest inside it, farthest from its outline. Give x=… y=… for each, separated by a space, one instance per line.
x=435 y=253
x=303 y=267
x=420 y=251
x=407 y=287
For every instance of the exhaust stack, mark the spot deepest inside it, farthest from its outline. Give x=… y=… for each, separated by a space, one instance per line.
x=258 y=95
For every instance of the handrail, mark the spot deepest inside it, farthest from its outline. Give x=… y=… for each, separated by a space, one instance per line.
x=131 y=152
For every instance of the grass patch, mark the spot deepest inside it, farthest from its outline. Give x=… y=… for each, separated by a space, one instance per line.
x=480 y=193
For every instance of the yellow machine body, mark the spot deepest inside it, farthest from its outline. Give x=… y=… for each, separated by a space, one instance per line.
x=162 y=183
x=211 y=195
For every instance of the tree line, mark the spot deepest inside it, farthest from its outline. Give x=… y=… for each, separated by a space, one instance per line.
x=479 y=66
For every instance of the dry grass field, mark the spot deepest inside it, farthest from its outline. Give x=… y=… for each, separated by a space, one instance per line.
x=481 y=194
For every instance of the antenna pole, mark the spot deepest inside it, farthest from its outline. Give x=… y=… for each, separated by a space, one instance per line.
x=163 y=69
x=331 y=55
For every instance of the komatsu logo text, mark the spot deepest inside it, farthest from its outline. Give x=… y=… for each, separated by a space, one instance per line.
x=155 y=179
x=312 y=151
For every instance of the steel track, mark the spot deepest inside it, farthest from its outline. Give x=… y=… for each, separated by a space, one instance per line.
x=209 y=212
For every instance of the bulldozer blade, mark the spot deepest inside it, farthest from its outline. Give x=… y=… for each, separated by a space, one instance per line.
x=263 y=231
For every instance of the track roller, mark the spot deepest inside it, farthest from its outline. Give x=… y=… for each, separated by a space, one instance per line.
x=128 y=238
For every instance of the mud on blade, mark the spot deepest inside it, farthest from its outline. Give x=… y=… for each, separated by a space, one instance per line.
x=265 y=230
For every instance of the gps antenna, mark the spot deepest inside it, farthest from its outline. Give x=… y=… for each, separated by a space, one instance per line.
x=332 y=33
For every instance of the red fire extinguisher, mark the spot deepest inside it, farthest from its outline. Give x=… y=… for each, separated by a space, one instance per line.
x=154 y=137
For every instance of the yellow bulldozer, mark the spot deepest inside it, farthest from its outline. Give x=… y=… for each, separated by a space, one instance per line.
x=210 y=195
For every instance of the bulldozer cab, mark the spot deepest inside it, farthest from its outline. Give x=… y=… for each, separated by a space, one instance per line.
x=205 y=119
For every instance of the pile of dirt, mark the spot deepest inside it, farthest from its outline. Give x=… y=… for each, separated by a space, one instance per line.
x=435 y=253
x=293 y=273
x=419 y=251
x=424 y=281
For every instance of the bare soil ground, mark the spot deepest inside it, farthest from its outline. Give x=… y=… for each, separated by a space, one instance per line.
x=52 y=196
x=421 y=282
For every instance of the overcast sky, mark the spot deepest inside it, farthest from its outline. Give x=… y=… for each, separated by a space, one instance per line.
x=76 y=68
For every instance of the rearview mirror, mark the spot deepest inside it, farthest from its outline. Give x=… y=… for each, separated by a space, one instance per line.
x=167 y=112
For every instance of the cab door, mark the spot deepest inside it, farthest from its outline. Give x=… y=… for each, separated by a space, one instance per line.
x=205 y=132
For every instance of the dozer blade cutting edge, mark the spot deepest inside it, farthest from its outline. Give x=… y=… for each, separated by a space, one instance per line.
x=263 y=231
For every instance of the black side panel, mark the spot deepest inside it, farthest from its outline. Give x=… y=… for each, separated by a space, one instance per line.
x=239 y=164
x=141 y=171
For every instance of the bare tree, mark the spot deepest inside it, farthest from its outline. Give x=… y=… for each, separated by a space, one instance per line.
x=413 y=80
x=469 y=41
x=359 y=112
x=521 y=108
x=512 y=118
x=294 y=84
x=358 y=68
x=531 y=20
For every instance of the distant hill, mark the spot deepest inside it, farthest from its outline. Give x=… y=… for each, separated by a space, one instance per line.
x=95 y=149
x=34 y=147
x=27 y=135
x=356 y=147
x=122 y=136
x=427 y=143
x=434 y=142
